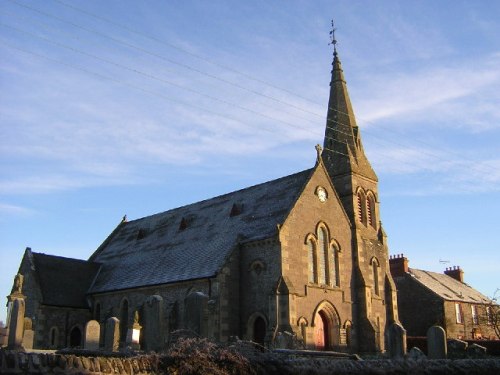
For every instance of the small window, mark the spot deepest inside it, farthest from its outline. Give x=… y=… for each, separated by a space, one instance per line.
x=489 y=316
x=458 y=313
x=311 y=253
x=361 y=216
x=370 y=210
x=335 y=267
x=473 y=310
x=375 y=267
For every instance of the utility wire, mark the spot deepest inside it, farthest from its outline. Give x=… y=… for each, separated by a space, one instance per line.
x=215 y=77
x=212 y=62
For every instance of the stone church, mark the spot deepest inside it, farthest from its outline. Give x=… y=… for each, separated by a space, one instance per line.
x=305 y=254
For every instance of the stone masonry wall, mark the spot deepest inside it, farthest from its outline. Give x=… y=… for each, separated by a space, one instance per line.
x=12 y=362
x=430 y=307
x=307 y=214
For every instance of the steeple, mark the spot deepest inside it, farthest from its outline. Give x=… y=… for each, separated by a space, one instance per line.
x=343 y=151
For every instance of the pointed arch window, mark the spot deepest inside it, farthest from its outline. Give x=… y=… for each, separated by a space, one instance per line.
x=334 y=267
x=370 y=210
x=323 y=256
x=311 y=254
x=361 y=207
x=375 y=269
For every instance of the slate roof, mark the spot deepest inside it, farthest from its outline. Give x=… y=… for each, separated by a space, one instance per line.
x=447 y=287
x=156 y=250
x=64 y=281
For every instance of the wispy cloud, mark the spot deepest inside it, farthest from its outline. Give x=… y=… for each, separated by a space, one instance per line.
x=406 y=96
x=13 y=210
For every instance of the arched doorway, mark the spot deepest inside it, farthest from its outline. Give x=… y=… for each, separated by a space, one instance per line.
x=75 y=337
x=321 y=331
x=326 y=322
x=256 y=329
x=259 y=330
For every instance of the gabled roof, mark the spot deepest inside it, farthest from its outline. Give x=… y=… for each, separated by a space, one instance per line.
x=447 y=287
x=64 y=281
x=193 y=241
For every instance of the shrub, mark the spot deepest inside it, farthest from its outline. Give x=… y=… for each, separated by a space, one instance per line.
x=190 y=356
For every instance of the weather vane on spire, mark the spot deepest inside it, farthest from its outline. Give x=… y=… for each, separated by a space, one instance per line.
x=332 y=38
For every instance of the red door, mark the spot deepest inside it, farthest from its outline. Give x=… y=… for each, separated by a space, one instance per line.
x=321 y=331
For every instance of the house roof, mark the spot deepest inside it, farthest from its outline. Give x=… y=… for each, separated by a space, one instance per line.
x=64 y=281
x=193 y=241
x=447 y=287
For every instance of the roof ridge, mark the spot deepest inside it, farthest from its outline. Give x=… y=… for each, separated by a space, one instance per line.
x=62 y=257
x=223 y=195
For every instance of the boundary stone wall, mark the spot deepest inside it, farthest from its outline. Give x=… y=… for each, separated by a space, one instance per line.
x=16 y=362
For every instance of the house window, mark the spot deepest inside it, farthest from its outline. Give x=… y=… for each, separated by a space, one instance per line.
x=458 y=313
x=489 y=316
x=311 y=253
x=323 y=256
x=473 y=310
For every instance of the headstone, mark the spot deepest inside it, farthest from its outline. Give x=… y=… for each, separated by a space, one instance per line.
x=476 y=351
x=28 y=334
x=92 y=335
x=396 y=339
x=112 y=337
x=436 y=343
x=153 y=326
x=416 y=354
x=28 y=338
x=195 y=310
x=134 y=333
x=457 y=348
x=16 y=324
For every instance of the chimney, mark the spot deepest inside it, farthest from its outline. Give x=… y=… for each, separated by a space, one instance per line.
x=456 y=272
x=398 y=264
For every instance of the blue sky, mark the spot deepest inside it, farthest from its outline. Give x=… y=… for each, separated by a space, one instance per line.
x=135 y=107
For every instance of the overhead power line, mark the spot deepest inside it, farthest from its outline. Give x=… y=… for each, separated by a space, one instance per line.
x=367 y=132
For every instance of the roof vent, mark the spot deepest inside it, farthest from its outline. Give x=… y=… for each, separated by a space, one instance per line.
x=141 y=234
x=236 y=209
x=183 y=225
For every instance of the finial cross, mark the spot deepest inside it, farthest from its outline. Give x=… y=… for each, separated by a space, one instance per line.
x=332 y=38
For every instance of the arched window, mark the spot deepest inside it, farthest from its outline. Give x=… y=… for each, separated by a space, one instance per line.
x=123 y=321
x=53 y=338
x=375 y=267
x=370 y=210
x=348 y=333
x=97 y=312
x=75 y=337
x=323 y=256
x=335 y=267
x=361 y=207
x=311 y=253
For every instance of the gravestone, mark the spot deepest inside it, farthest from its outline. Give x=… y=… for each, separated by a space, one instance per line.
x=112 y=337
x=396 y=339
x=28 y=335
x=436 y=343
x=457 y=348
x=16 y=324
x=92 y=335
x=195 y=312
x=153 y=323
x=134 y=333
x=416 y=354
x=476 y=351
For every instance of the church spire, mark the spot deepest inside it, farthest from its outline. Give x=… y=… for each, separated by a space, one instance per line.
x=343 y=151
